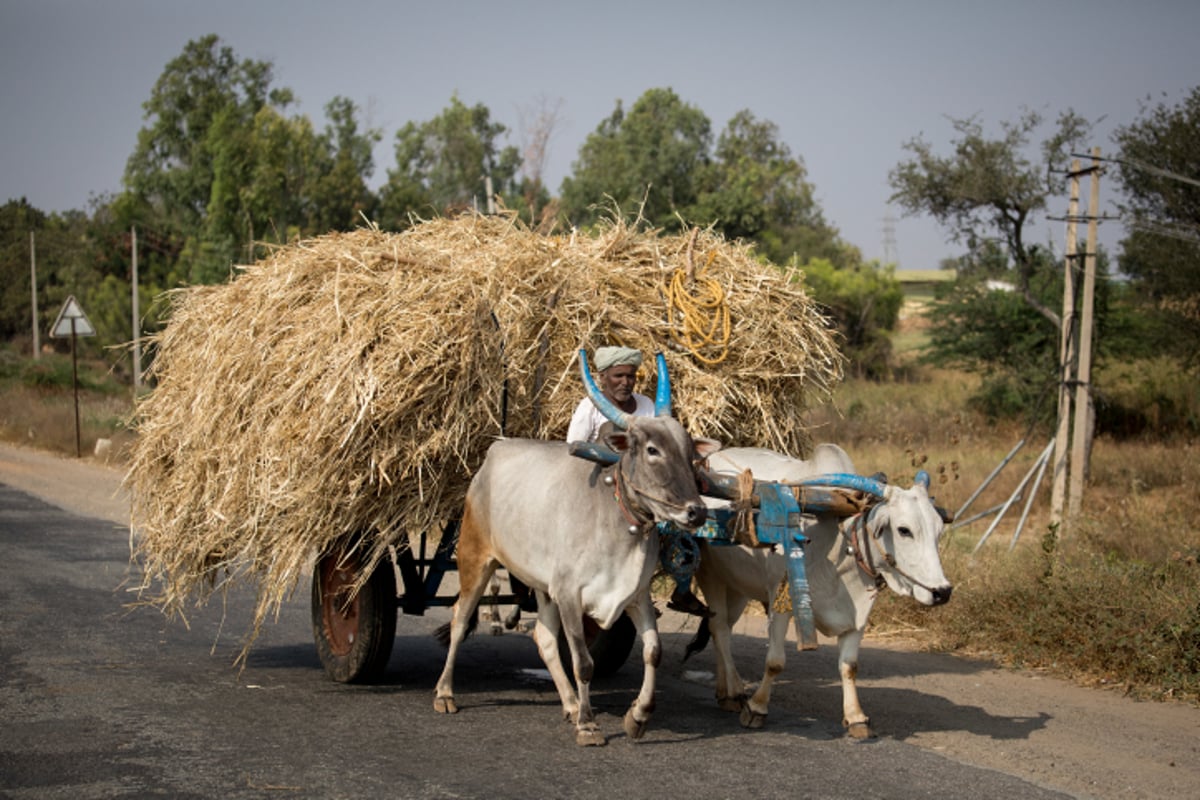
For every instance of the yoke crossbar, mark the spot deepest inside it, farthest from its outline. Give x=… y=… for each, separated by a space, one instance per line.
x=779 y=510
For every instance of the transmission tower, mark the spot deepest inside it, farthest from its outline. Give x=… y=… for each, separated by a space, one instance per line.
x=890 y=254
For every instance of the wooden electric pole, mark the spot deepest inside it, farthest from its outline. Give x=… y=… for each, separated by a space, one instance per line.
x=1081 y=440
x=1066 y=357
x=137 y=321
x=37 y=345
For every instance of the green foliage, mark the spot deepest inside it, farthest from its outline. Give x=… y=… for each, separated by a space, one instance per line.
x=203 y=96
x=863 y=303
x=991 y=189
x=658 y=162
x=17 y=219
x=1153 y=395
x=64 y=267
x=441 y=165
x=220 y=166
x=994 y=332
x=53 y=372
x=647 y=160
x=1159 y=153
x=754 y=189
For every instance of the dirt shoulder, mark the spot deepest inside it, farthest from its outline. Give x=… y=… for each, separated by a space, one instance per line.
x=1085 y=742
x=85 y=486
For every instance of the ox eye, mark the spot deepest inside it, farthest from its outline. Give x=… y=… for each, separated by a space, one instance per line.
x=651 y=450
x=905 y=532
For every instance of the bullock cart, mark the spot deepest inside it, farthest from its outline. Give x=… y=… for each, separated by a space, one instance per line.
x=332 y=400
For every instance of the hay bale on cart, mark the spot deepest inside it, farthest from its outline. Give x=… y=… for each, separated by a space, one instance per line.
x=344 y=389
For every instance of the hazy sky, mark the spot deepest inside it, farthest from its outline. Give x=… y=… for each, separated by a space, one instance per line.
x=847 y=83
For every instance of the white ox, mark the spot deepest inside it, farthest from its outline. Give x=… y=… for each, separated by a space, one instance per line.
x=584 y=538
x=895 y=541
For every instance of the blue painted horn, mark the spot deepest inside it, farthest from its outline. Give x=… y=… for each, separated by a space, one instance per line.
x=923 y=479
x=613 y=414
x=848 y=480
x=662 y=394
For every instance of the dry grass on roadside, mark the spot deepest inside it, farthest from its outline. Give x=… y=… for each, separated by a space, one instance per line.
x=45 y=419
x=1113 y=602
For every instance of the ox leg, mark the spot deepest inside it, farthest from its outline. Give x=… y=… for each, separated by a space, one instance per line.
x=638 y=715
x=576 y=701
x=754 y=713
x=474 y=577
x=726 y=609
x=853 y=719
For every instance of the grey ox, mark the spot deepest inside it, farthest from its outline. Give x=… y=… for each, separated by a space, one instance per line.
x=847 y=561
x=584 y=538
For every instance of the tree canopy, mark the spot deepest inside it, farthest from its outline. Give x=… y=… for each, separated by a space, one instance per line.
x=1159 y=154
x=991 y=188
x=442 y=165
x=645 y=160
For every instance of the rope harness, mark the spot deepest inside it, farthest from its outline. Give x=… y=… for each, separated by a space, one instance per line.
x=639 y=519
x=858 y=543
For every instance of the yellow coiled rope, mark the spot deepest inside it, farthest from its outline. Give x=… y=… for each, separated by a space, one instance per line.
x=698 y=312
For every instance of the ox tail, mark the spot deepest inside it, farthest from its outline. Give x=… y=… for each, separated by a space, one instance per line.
x=699 y=641
x=442 y=634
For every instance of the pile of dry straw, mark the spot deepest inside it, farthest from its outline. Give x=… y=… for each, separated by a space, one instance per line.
x=353 y=382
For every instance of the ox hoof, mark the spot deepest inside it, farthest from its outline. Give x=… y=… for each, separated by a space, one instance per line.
x=860 y=730
x=445 y=705
x=589 y=736
x=633 y=728
x=751 y=718
x=731 y=703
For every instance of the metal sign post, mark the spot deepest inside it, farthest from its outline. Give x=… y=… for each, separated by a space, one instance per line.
x=73 y=322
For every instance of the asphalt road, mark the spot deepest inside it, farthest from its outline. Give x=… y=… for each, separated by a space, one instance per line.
x=99 y=699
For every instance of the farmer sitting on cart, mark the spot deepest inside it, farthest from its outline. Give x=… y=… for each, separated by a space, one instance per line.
x=617 y=369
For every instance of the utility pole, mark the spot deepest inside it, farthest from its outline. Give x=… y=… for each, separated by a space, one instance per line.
x=137 y=317
x=1066 y=356
x=37 y=345
x=1081 y=440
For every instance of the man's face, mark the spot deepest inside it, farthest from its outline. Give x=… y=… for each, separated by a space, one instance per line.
x=617 y=382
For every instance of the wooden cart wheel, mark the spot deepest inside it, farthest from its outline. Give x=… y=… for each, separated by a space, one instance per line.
x=354 y=635
x=609 y=648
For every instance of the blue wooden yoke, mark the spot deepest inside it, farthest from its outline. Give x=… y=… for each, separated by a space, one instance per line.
x=779 y=522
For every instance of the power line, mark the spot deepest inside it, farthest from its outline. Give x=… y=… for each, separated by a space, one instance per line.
x=1153 y=170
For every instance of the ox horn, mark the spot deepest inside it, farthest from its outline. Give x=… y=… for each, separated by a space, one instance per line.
x=923 y=479
x=662 y=394
x=613 y=414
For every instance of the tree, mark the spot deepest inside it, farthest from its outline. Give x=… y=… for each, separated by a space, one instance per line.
x=1159 y=154
x=991 y=189
x=63 y=260
x=220 y=165
x=205 y=86
x=647 y=160
x=863 y=302
x=341 y=197
x=981 y=324
x=754 y=189
x=441 y=164
x=537 y=126
x=193 y=156
x=17 y=220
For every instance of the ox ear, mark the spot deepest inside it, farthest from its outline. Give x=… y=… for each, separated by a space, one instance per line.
x=704 y=447
x=617 y=440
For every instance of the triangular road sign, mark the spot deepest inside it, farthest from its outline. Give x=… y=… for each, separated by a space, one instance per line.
x=72 y=321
